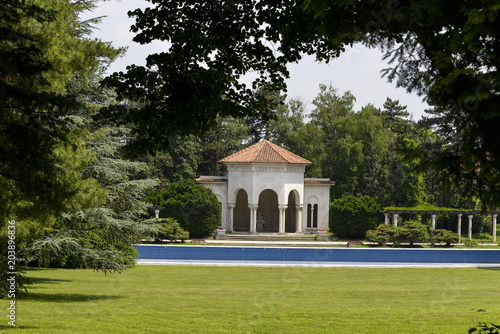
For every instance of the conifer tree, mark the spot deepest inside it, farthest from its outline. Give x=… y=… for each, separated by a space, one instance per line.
x=100 y=235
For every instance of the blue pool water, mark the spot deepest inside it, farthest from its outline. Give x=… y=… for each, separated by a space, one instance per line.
x=318 y=255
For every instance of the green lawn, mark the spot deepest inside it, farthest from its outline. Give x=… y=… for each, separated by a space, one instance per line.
x=199 y=299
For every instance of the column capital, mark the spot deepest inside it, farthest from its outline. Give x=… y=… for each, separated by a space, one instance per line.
x=282 y=207
x=253 y=206
x=231 y=205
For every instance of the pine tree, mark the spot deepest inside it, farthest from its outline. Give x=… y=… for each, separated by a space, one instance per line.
x=100 y=235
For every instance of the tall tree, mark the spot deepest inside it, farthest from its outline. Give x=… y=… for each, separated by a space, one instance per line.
x=293 y=131
x=394 y=116
x=356 y=143
x=229 y=136
x=41 y=49
x=99 y=233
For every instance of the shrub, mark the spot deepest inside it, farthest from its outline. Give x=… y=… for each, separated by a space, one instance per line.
x=169 y=229
x=412 y=231
x=351 y=217
x=193 y=206
x=445 y=236
x=485 y=328
x=381 y=234
x=470 y=243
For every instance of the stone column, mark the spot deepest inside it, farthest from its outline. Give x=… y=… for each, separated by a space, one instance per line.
x=298 y=220
x=470 y=227
x=395 y=219
x=494 y=227
x=231 y=207
x=282 y=209
x=433 y=220
x=386 y=218
x=459 y=227
x=312 y=217
x=253 y=217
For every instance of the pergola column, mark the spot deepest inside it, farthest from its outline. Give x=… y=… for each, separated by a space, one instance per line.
x=282 y=209
x=395 y=219
x=433 y=220
x=494 y=227
x=470 y=227
x=459 y=227
x=231 y=207
x=386 y=218
x=253 y=217
x=298 y=219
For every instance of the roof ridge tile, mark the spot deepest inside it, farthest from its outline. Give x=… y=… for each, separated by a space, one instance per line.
x=265 y=152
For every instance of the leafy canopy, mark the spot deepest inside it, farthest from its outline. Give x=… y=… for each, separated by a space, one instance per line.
x=446 y=51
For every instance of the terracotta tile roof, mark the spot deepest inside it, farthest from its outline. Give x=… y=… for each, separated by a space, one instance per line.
x=265 y=152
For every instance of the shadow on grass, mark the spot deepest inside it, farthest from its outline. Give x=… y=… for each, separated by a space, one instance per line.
x=65 y=297
x=36 y=280
x=490 y=268
x=4 y=328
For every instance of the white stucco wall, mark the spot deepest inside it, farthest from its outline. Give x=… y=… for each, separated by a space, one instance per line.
x=317 y=194
x=257 y=177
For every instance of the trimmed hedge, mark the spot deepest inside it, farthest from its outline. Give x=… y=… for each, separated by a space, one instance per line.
x=351 y=217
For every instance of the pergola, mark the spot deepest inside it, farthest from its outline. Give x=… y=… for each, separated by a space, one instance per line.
x=470 y=213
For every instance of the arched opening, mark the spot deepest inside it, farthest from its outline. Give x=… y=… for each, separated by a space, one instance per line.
x=241 y=212
x=268 y=210
x=291 y=213
x=312 y=215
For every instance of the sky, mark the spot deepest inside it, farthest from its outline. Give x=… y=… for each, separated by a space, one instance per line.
x=357 y=70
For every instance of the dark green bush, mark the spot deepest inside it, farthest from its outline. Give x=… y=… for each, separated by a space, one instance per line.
x=412 y=231
x=485 y=328
x=446 y=236
x=351 y=217
x=193 y=206
x=382 y=234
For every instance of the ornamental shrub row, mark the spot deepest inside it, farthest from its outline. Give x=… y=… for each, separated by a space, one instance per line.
x=410 y=231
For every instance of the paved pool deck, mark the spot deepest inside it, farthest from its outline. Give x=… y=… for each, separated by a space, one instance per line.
x=232 y=263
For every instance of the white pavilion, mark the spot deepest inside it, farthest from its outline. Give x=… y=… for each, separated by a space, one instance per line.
x=263 y=190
